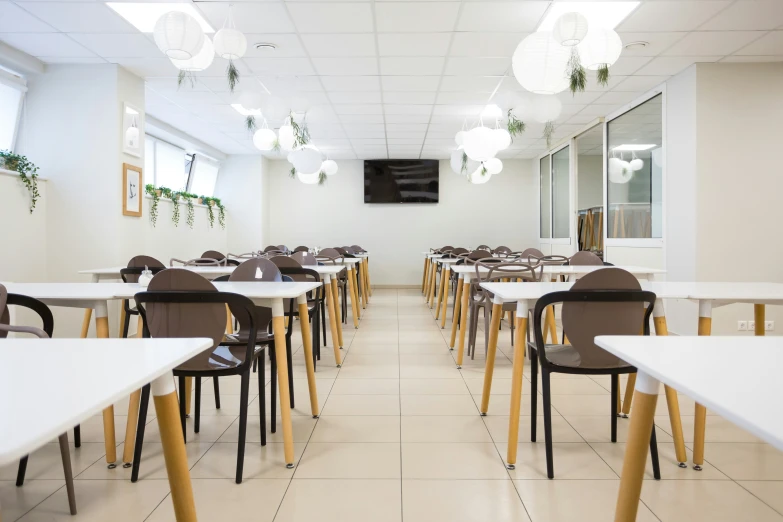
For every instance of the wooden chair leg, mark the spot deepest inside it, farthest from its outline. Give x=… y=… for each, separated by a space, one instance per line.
x=66 y=456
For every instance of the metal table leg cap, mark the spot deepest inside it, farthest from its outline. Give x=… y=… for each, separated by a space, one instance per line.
x=459 y=367
x=451 y=349
x=483 y=414
x=289 y=466
x=112 y=465
x=682 y=465
x=624 y=416
x=339 y=365
x=697 y=467
x=510 y=466
x=127 y=465
x=315 y=416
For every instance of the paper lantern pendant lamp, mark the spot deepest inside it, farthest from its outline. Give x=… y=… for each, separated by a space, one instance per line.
x=493 y=166
x=199 y=62
x=477 y=178
x=547 y=108
x=306 y=160
x=264 y=139
x=479 y=144
x=286 y=137
x=636 y=164
x=502 y=139
x=539 y=63
x=601 y=47
x=178 y=35
x=230 y=43
x=308 y=179
x=329 y=167
x=570 y=29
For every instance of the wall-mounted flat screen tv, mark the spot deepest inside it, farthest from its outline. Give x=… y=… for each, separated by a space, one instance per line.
x=401 y=181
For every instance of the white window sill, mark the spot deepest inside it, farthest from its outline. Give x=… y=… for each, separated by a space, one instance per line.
x=181 y=202
x=6 y=172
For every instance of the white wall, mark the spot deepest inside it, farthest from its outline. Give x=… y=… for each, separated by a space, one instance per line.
x=242 y=188
x=24 y=235
x=502 y=211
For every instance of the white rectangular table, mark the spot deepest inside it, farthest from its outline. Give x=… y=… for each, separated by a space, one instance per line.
x=113 y=273
x=69 y=382
x=712 y=371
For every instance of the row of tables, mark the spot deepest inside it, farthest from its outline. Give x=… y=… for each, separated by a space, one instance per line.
x=707 y=366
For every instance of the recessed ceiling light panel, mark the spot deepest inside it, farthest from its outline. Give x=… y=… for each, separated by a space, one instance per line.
x=598 y=14
x=632 y=46
x=634 y=146
x=143 y=16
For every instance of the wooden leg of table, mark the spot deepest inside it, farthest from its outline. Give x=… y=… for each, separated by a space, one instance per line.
x=759 y=316
x=672 y=401
x=424 y=277
x=628 y=393
x=167 y=412
x=133 y=414
x=337 y=311
x=516 y=389
x=367 y=274
x=636 y=448
x=700 y=422
x=331 y=305
x=361 y=286
x=307 y=342
x=122 y=320
x=188 y=394
x=433 y=279
x=443 y=282
x=229 y=325
x=463 y=321
x=550 y=326
x=86 y=322
x=278 y=327
x=354 y=273
x=455 y=315
x=102 y=332
x=354 y=304
x=445 y=304
x=489 y=367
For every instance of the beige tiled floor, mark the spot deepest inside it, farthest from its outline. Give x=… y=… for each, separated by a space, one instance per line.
x=400 y=438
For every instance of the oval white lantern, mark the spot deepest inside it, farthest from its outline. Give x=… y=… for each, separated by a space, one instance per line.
x=477 y=178
x=539 y=64
x=636 y=164
x=479 y=144
x=329 y=167
x=459 y=139
x=493 y=166
x=264 y=139
x=178 y=35
x=523 y=110
x=308 y=179
x=199 y=62
x=619 y=171
x=547 y=108
x=285 y=137
x=230 y=43
x=455 y=161
x=251 y=100
x=492 y=112
x=600 y=47
x=502 y=139
x=306 y=160
x=570 y=29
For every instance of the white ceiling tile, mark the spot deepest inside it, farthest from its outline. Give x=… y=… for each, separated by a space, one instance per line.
x=355 y=97
x=411 y=66
x=249 y=17
x=712 y=43
x=753 y=59
x=363 y=127
x=408 y=109
x=450 y=119
x=369 y=141
x=321 y=113
x=342 y=154
x=627 y=65
x=351 y=83
x=771 y=43
x=672 y=65
x=671 y=15
x=339 y=44
x=79 y=17
x=751 y=15
x=73 y=60
x=144 y=67
x=47 y=44
x=486 y=44
x=640 y=84
x=501 y=16
x=413 y=44
x=332 y=17
x=278 y=85
x=407 y=118
x=127 y=45
x=415 y=17
x=597 y=110
x=361 y=118
x=409 y=97
x=478 y=65
x=410 y=83
x=470 y=83
x=468 y=98
x=458 y=110
x=367 y=134
x=280 y=66
x=334 y=143
x=359 y=109
x=346 y=66
x=656 y=42
x=287 y=45
x=398 y=142
x=433 y=142
x=443 y=135
x=571 y=108
x=14 y=19
x=451 y=128
x=407 y=127
x=614 y=80
x=618 y=97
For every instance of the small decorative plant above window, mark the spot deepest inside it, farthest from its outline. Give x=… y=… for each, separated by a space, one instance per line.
x=28 y=172
x=190 y=199
x=210 y=203
x=155 y=195
x=191 y=217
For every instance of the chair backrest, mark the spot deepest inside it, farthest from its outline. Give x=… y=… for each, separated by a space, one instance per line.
x=283 y=248
x=212 y=254
x=484 y=247
x=140 y=262
x=443 y=250
x=358 y=250
x=457 y=251
x=583 y=258
x=285 y=261
x=531 y=252
x=497 y=271
x=301 y=248
x=304 y=258
x=329 y=255
x=27 y=302
x=199 y=261
x=349 y=250
x=271 y=248
x=502 y=250
x=477 y=254
x=340 y=250
x=258 y=269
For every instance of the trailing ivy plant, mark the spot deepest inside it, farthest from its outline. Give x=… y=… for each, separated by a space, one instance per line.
x=250 y=123
x=301 y=132
x=602 y=75
x=464 y=168
x=28 y=173
x=549 y=130
x=191 y=215
x=292 y=173
x=233 y=75
x=173 y=195
x=221 y=213
x=515 y=126
x=153 y=193
x=321 y=177
x=208 y=201
x=185 y=77
x=577 y=75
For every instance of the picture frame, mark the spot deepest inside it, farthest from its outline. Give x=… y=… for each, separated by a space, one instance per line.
x=132 y=129
x=132 y=194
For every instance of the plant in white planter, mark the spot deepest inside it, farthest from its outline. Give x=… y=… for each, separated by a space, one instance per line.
x=27 y=171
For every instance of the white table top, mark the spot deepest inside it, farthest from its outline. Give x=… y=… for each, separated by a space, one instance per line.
x=215 y=271
x=569 y=270
x=708 y=370
x=325 y=269
x=39 y=400
x=509 y=292
x=250 y=289
x=50 y=292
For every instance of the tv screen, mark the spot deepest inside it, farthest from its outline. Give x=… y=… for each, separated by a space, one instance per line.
x=401 y=181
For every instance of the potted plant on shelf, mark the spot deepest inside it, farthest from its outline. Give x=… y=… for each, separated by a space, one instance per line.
x=221 y=212
x=155 y=194
x=210 y=203
x=173 y=195
x=189 y=197
x=27 y=171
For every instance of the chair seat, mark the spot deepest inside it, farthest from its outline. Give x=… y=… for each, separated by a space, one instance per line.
x=221 y=358
x=566 y=356
x=242 y=336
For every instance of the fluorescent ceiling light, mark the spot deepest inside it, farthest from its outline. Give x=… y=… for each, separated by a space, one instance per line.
x=144 y=16
x=634 y=146
x=598 y=14
x=246 y=112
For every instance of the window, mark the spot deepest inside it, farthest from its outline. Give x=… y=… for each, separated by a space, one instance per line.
x=545 y=197
x=561 y=193
x=11 y=94
x=203 y=176
x=169 y=166
x=590 y=189
x=635 y=173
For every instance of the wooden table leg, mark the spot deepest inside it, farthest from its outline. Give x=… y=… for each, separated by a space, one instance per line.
x=86 y=322
x=307 y=342
x=133 y=415
x=550 y=326
x=188 y=394
x=433 y=280
x=331 y=305
x=367 y=275
x=517 y=379
x=463 y=320
x=455 y=314
x=446 y=284
x=426 y=270
x=362 y=287
x=337 y=311
x=440 y=291
x=354 y=304
x=759 y=316
x=636 y=448
x=700 y=422
x=489 y=367
x=177 y=469
x=229 y=322
x=278 y=327
x=109 y=440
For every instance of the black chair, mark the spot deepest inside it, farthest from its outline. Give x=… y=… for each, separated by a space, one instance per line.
x=131 y=274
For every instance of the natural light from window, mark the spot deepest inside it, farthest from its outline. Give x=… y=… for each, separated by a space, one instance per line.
x=10 y=100
x=203 y=176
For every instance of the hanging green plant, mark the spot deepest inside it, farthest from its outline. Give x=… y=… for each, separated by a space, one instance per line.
x=185 y=77
x=321 y=178
x=301 y=132
x=292 y=173
x=27 y=171
x=464 y=168
x=174 y=197
x=549 y=130
x=191 y=215
x=155 y=195
x=602 y=75
x=221 y=213
x=250 y=123
x=577 y=75
x=233 y=75
x=209 y=202
x=515 y=127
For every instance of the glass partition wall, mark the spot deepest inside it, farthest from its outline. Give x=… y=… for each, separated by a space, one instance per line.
x=554 y=196
x=545 y=197
x=590 y=190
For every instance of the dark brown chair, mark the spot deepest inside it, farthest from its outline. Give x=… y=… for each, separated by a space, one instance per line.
x=213 y=254
x=484 y=247
x=502 y=251
x=180 y=303
x=45 y=332
x=131 y=275
x=444 y=250
x=301 y=248
x=304 y=258
x=331 y=256
x=199 y=261
x=358 y=250
x=605 y=302
x=583 y=258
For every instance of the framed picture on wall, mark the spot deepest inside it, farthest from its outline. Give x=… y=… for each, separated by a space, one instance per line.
x=132 y=129
x=131 y=190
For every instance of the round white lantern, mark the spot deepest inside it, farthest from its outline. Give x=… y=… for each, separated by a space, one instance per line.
x=547 y=108
x=178 y=35
x=539 y=64
x=492 y=112
x=636 y=164
x=523 y=110
x=619 y=171
x=493 y=166
x=199 y=62
x=230 y=43
x=455 y=161
x=264 y=139
x=600 y=47
x=570 y=29
x=459 y=138
x=477 y=178
x=479 y=144
x=306 y=160
x=329 y=167
x=308 y=179
x=502 y=139
x=285 y=137
x=251 y=100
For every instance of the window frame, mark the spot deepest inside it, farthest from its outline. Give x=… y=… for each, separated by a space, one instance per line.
x=197 y=158
x=19 y=84
x=551 y=152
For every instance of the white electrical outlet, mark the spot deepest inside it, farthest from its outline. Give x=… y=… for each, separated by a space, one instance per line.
x=751 y=326
x=742 y=326
x=769 y=325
